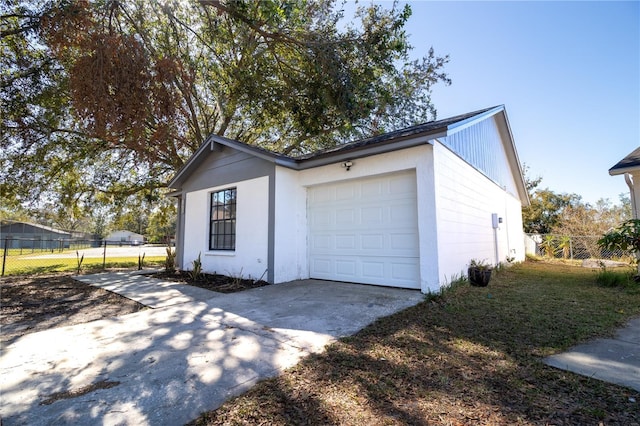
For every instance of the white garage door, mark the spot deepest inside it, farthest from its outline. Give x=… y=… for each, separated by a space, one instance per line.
x=365 y=231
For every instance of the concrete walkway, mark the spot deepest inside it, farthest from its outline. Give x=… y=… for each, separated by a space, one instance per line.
x=165 y=366
x=615 y=360
x=150 y=292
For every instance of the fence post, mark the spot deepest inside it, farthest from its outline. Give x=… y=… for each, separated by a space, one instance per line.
x=4 y=256
x=104 y=255
x=571 y=247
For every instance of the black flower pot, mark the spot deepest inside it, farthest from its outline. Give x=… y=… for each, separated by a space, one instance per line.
x=479 y=277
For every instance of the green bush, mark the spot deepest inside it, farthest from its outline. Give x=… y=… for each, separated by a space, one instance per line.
x=618 y=278
x=625 y=237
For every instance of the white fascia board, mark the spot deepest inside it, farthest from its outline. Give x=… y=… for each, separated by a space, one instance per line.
x=514 y=160
x=624 y=170
x=463 y=124
x=368 y=151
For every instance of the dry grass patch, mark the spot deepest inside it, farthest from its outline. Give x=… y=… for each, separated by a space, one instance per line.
x=469 y=356
x=29 y=304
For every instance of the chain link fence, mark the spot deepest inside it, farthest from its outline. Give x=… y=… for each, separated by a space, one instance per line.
x=577 y=247
x=22 y=256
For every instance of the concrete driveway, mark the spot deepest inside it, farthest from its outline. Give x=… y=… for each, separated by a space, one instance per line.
x=167 y=365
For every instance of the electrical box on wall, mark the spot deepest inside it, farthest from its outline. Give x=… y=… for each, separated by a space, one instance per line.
x=494 y=220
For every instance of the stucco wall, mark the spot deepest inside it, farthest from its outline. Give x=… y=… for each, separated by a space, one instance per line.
x=455 y=204
x=465 y=200
x=291 y=260
x=290 y=252
x=249 y=259
x=222 y=167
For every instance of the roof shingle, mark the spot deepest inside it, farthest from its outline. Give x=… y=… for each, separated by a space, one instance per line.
x=628 y=163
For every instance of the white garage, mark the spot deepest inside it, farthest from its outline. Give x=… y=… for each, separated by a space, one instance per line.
x=409 y=208
x=365 y=231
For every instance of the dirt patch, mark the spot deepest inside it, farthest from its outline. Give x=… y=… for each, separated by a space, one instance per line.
x=213 y=282
x=36 y=303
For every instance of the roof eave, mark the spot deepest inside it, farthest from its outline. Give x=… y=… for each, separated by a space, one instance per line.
x=210 y=145
x=369 y=150
x=623 y=170
x=517 y=173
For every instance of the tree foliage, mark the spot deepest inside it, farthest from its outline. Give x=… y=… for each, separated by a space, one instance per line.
x=546 y=210
x=566 y=214
x=107 y=98
x=624 y=237
x=587 y=219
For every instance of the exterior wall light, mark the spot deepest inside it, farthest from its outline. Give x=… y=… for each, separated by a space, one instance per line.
x=347 y=164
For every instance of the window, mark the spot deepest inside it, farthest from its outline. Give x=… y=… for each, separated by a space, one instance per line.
x=222 y=232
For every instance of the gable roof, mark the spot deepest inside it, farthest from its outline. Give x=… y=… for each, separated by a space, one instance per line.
x=400 y=139
x=434 y=129
x=629 y=163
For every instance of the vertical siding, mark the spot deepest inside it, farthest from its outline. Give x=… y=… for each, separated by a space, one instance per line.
x=226 y=166
x=465 y=201
x=481 y=146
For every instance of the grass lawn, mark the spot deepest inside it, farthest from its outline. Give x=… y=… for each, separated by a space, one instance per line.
x=21 y=266
x=470 y=356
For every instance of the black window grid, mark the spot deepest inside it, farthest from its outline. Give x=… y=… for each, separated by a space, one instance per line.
x=222 y=231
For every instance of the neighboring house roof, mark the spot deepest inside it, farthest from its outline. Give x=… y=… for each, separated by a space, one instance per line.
x=124 y=232
x=35 y=225
x=388 y=142
x=628 y=164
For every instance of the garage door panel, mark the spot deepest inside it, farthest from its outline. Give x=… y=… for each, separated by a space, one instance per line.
x=371 y=190
x=321 y=195
x=402 y=184
x=344 y=192
x=345 y=242
x=365 y=231
x=403 y=242
x=321 y=266
x=346 y=268
x=373 y=270
x=320 y=218
x=371 y=216
x=399 y=272
x=402 y=269
x=321 y=242
x=345 y=217
x=372 y=242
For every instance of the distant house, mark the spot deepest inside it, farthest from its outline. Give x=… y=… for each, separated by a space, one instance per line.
x=409 y=208
x=629 y=166
x=124 y=237
x=31 y=235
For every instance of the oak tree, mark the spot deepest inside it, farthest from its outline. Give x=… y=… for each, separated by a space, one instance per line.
x=105 y=99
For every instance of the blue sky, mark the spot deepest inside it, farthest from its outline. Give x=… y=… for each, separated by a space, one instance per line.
x=567 y=72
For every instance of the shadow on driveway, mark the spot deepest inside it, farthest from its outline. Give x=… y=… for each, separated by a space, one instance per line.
x=167 y=365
